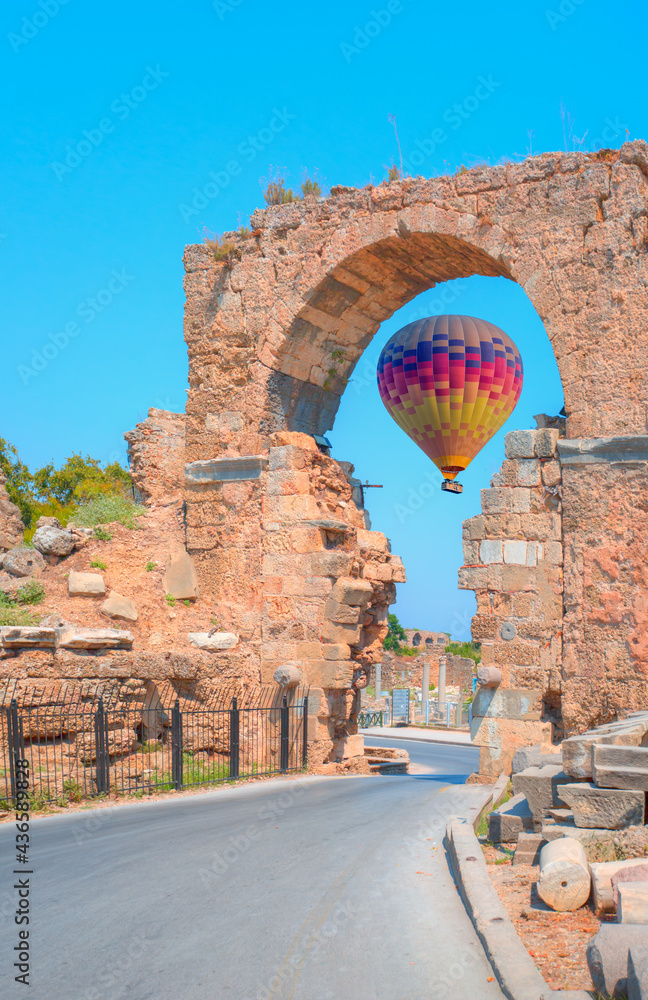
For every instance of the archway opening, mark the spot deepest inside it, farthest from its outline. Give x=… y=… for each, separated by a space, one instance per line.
x=424 y=524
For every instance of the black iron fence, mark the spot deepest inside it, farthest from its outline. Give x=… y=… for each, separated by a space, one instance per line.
x=76 y=749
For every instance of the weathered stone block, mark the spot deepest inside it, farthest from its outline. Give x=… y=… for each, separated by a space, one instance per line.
x=86 y=584
x=603 y=808
x=213 y=641
x=344 y=614
x=507 y=823
x=521 y=500
x=515 y=553
x=94 y=638
x=119 y=607
x=545 y=441
x=336 y=651
x=180 y=577
x=15 y=636
x=491 y=551
x=602 y=874
x=331 y=674
x=638 y=973
x=541 y=786
x=507 y=703
x=339 y=633
x=330 y=563
x=528 y=472
x=529 y=846
x=473 y=527
x=23 y=562
x=472 y=578
x=520 y=444
x=620 y=767
x=349 y=746
x=349 y=590
x=608 y=954
x=551 y=473
x=526 y=757
x=625 y=876
x=496 y=501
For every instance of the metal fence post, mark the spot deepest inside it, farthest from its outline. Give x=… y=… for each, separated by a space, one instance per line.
x=101 y=746
x=16 y=746
x=234 y=739
x=177 y=762
x=284 y=735
x=305 y=745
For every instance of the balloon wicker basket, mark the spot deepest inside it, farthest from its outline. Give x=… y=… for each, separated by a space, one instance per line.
x=451 y=487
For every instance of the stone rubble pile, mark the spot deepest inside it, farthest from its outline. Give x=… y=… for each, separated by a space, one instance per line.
x=592 y=791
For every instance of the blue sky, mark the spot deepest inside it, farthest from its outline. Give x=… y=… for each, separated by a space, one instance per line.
x=115 y=118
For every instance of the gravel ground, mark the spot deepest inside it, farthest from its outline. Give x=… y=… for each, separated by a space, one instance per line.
x=556 y=941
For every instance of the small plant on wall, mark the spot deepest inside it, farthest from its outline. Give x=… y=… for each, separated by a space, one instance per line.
x=338 y=357
x=274 y=188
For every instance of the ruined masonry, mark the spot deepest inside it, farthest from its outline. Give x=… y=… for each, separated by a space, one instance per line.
x=277 y=530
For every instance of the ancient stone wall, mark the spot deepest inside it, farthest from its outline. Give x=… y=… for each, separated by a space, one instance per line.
x=156 y=453
x=572 y=652
x=513 y=561
x=407 y=671
x=605 y=536
x=273 y=334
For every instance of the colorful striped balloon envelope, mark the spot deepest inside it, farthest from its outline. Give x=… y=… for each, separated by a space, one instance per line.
x=450 y=382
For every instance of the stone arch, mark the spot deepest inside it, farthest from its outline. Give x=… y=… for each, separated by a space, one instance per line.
x=317 y=278
x=275 y=329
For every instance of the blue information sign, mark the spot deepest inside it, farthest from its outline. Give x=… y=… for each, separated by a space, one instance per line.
x=400 y=704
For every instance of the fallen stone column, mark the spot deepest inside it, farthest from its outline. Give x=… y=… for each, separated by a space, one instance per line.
x=564 y=882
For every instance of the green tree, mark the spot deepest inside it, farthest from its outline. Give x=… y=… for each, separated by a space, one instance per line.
x=19 y=480
x=58 y=492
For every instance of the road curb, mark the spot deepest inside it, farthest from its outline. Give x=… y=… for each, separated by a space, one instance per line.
x=514 y=968
x=421 y=739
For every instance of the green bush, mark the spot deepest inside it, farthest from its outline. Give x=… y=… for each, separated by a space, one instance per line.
x=150 y=566
x=107 y=509
x=170 y=599
x=311 y=187
x=11 y=612
x=57 y=492
x=31 y=592
x=11 y=615
x=73 y=790
x=98 y=564
x=102 y=534
x=274 y=190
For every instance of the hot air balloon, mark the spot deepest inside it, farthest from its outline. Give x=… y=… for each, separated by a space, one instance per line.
x=450 y=382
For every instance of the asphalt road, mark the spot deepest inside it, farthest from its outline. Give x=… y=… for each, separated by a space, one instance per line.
x=308 y=889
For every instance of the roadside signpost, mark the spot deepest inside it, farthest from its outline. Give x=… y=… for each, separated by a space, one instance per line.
x=400 y=705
